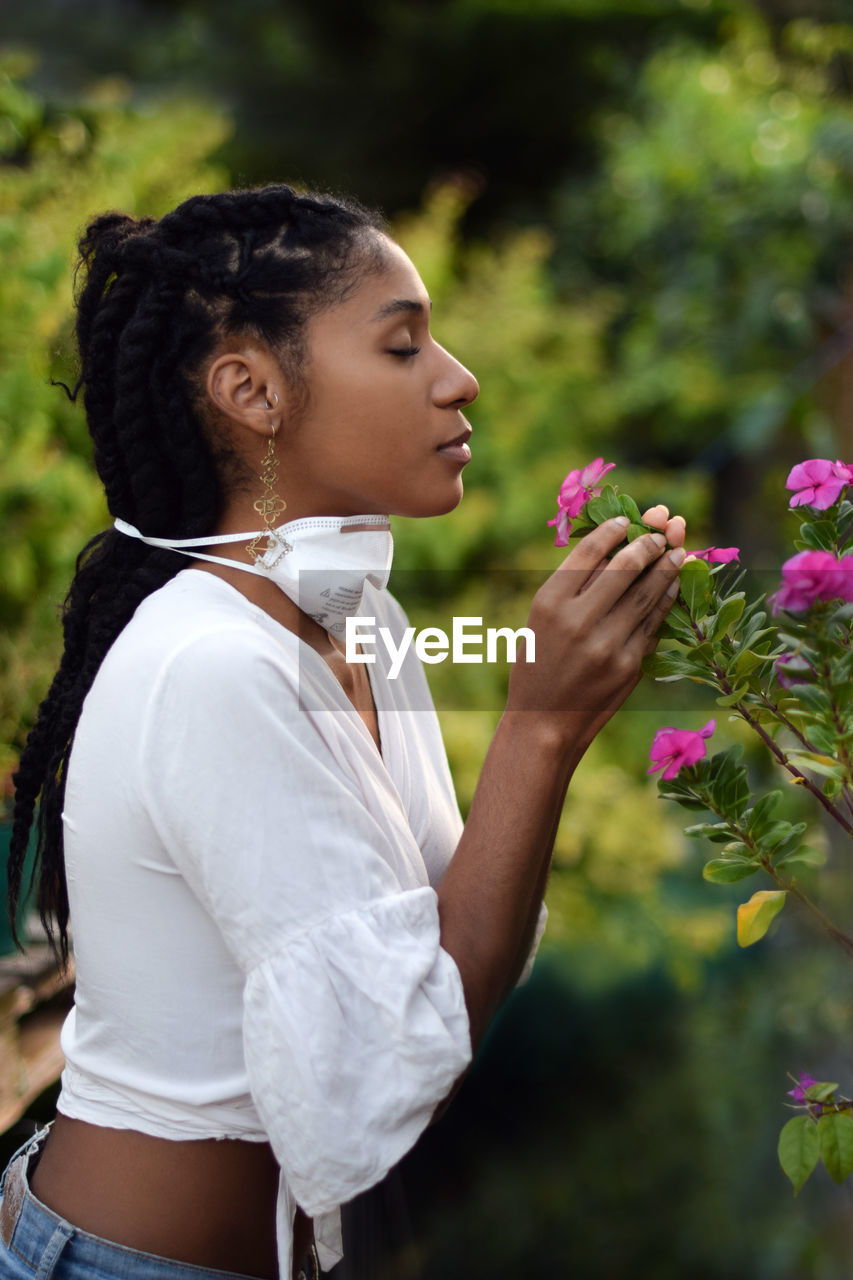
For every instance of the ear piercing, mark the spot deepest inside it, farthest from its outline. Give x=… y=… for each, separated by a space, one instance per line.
x=267 y=404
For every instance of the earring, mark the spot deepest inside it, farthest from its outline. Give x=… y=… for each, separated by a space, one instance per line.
x=269 y=505
x=267 y=404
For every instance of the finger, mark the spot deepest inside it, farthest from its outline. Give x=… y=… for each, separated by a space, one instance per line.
x=642 y=597
x=676 y=530
x=591 y=552
x=656 y=516
x=652 y=622
x=620 y=575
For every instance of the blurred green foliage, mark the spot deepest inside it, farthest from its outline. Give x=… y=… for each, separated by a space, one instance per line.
x=371 y=95
x=720 y=218
x=57 y=169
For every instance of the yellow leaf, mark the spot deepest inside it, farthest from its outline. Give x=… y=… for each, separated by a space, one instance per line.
x=754 y=917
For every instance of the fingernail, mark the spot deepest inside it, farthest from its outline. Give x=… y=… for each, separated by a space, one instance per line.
x=622 y=521
x=658 y=539
x=672 y=589
x=678 y=556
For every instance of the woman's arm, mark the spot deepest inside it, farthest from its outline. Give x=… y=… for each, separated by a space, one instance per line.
x=594 y=621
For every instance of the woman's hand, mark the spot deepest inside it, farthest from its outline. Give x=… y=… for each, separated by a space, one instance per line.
x=594 y=620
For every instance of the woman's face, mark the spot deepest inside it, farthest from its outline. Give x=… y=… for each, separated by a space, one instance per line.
x=382 y=428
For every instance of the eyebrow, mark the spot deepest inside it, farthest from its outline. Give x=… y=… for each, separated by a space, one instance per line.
x=398 y=305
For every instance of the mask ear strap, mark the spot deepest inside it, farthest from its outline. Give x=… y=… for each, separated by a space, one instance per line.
x=179 y=545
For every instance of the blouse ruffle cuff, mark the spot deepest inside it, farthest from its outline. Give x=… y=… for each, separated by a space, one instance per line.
x=354 y=1032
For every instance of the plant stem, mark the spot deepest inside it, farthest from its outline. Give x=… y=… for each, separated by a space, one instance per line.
x=783 y=719
x=743 y=710
x=790 y=886
x=777 y=751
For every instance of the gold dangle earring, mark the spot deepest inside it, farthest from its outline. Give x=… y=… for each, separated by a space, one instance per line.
x=270 y=505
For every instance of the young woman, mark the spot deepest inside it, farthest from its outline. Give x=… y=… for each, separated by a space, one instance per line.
x=286 y=944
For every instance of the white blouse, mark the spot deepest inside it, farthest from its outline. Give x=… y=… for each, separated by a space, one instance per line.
x=252 y=890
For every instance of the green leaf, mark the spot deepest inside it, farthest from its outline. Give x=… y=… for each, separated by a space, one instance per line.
x=812 y=697
x=635 y=531
x=604 y=507
x=747 y=662
x=718 y=832
x=725 y=764
x=776 y=831
x=677 y=624
x=759 y=814
x=730 y=610
x=835 y=1131
x=668 y=664
x=734 y=795
x=822 y=1091
x=799 y=1149
x=823 y=765
x=790 y=843
x=805 y=856
x=631 y=510
x=823 y=738
x=736 y=695
x=695 y=580
x=818 y=535
x=728 y=870
x=755 y=917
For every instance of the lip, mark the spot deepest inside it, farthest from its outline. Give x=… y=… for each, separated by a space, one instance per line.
x=457 y=448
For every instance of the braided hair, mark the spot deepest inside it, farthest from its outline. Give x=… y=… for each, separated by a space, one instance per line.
x=154 y=299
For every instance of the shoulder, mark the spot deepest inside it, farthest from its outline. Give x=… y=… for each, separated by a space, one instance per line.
x=194 y=646
x=196 y=617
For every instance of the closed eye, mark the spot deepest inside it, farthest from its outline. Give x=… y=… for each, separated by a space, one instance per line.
x=404 y=352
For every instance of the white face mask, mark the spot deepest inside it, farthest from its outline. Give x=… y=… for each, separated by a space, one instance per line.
x=322 y=562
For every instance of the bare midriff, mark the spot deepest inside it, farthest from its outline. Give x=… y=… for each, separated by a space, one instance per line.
x=210 y=1202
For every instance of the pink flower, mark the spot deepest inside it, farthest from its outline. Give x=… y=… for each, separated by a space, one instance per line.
x=677 y=748
x=798 y=1093
x=818 y=482
x=813 y=575
x=575 y=492
x=717 y=555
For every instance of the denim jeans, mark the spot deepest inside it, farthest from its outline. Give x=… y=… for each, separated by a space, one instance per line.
x=36 y=1244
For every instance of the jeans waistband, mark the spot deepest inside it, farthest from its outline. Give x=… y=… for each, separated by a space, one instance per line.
x=47 y=1233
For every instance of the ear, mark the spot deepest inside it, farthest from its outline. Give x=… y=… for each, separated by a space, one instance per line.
x=248 y=388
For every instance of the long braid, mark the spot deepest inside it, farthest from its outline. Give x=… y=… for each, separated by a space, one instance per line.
x=155 y=299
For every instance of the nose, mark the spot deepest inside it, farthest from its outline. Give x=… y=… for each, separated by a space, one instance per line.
x=456 y=386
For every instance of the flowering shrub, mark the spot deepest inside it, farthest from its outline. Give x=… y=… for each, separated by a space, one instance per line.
x=822 y=1131
x=788 y=674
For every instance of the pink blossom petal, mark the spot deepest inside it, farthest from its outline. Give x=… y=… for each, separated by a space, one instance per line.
x=818 y=482
x=810 y=576
x=717 y=555
x=564 y=525
x=594 y=472
x=676 y=749
x=575 y=492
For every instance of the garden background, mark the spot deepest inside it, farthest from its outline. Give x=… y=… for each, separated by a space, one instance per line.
x=635 y=222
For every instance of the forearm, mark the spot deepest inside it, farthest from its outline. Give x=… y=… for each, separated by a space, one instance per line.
x=594 y=620
x=490 y=895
